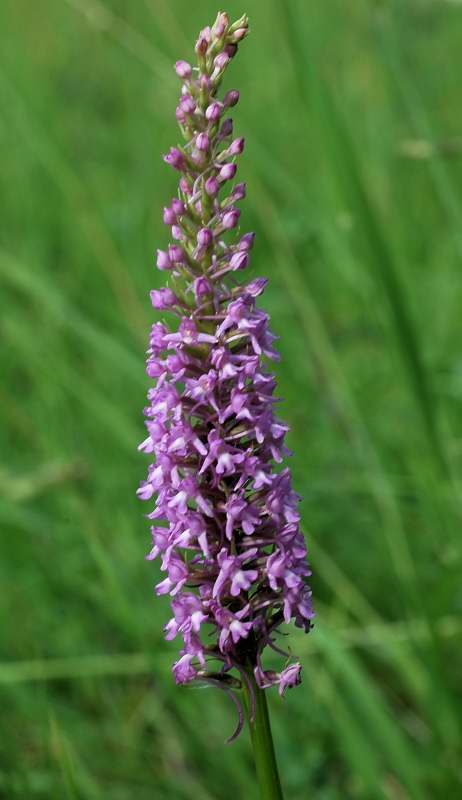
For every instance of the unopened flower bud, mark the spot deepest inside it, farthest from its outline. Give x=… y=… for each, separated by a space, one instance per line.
x=183 y=69
x=213 y=111
x=187 y=104
x=256 y=287
x=175 y=158
x=169 y=216
x=238 y=35
x=153 y=370
x=175 y=253
x=228 y=171
x=246 y=242
x=163 y=261
x=231 y=217
x=202 y=287
x=177 y=233
x=239 y=191
x=220 y=25
x=202 y=142
x=175 y=363
x=203 y=41
x=184 y=186
x=178 y=206
x=242 y=22
x=231 y=98
x=236 y=147
x=205 y=83
x=226 y=129
x=211 y=186
x=221 y=61
x=198 y=156
x=231 y=50
x=163 y=298
x=204 y=237
x=239 y=260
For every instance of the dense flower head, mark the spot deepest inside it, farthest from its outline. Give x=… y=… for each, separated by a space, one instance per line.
x=225 y=520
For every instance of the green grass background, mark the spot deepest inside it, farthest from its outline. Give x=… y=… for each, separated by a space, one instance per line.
x=352 y=117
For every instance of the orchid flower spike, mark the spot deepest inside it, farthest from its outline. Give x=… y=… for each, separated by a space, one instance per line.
x=225 y=518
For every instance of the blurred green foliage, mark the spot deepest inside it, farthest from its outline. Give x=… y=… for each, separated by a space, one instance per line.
x=354 y=166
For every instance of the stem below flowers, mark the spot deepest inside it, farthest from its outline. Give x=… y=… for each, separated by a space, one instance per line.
x=262 y=743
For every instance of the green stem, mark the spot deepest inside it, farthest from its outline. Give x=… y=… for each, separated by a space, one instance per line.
x=262 y=743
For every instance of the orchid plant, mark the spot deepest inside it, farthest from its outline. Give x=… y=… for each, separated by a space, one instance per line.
x=225 y=520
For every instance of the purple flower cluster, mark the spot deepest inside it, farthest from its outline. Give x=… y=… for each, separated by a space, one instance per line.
x=230 y=544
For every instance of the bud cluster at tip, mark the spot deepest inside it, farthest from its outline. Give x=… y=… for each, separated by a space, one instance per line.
x=225 y=521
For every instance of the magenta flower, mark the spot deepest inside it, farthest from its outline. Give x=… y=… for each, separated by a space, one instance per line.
x=230 y=545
